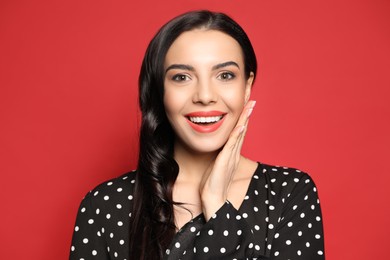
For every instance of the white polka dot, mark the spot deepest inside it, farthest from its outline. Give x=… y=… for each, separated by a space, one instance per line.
x=118 y=206
x=205 y=249
x=96 y=193
x=227 y=215
x=317 y=236
x=90 y=221
x=97 y=211
x=290 y=224
x=320 y=252
x=245 y=215
x=256 y=209
x=99 y=234
x=270 y=226
x=222 y=250
x=120 y=223
x=276 y=235
x=306 y=197
x=193 y=229
x=307 y=244
x=76 y=228
x=130 y=197
x=299 y=252
x=250 y=245
x=257 y=247
x=288 y=242
x=210 y=232
x=238 y=217
x=72 y=248
x=115 y=254
x=318 y=218
x=111 y=235
x=121 y=242
x=302 y=215
x=309 y=225
x=108 y=216
x=273 y=180
x=239 y=232
x=119 y=189
x=167 y=251
x=177 y=245
x=295 y=207
x=257 y=227
x=85 y=240
x=246 y=197
x=271 y=207
x=109 y=183
x=300 y=233
x=276 y=253
x=225 y=233
x=82 y=210
x=269 y=246
x=284 y=184
x=106 y=197
x=94 y=252
x=296 y=180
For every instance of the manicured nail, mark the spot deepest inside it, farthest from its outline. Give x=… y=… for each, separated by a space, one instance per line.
x=253 y=103
x=242 y=129
x=249 y=112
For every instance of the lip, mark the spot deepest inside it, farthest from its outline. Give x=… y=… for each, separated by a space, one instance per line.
x=205 y=113
x=205 y=128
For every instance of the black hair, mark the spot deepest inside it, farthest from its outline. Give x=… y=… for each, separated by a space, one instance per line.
x=152 y=225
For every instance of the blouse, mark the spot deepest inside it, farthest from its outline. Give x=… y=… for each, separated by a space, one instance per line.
x=280 y=218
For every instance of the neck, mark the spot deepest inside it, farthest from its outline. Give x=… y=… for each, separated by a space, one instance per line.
x=192 y=165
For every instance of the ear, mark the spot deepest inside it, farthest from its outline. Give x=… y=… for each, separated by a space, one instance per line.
x=248 y=86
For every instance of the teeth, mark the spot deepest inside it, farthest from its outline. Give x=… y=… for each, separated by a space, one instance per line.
x=209 y=119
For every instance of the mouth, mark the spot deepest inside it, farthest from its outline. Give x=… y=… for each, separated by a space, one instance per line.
x=205 y=121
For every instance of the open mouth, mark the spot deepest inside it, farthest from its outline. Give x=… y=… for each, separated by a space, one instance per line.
x=205 y=120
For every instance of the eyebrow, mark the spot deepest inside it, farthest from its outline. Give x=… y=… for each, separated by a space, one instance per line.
x=191 y=68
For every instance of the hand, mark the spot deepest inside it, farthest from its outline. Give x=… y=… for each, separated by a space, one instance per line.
x=217 y=179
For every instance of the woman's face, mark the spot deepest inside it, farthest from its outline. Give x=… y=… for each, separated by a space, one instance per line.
x=205 y=88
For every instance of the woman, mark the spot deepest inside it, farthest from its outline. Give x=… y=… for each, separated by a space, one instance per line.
x=193 y=195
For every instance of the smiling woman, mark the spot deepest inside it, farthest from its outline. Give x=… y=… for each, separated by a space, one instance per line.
x=193 y=195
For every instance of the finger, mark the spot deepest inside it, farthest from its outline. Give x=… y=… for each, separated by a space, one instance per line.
x=246 y=112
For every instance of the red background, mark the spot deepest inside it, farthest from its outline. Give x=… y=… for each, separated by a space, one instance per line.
x=69 y=116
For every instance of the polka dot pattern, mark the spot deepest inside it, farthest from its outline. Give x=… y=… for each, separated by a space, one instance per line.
x=280 y=218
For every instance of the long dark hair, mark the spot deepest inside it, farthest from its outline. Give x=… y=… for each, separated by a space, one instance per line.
x=152 y=225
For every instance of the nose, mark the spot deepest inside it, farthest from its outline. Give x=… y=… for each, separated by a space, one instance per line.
x=205 y=93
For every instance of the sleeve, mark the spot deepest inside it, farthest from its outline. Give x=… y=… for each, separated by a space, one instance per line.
x=225 y=236
x=300 y=231
x=88 y=241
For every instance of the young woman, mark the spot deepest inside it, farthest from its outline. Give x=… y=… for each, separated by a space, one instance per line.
x=193 y=195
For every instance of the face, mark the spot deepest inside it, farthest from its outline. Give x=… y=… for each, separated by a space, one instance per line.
x=205 y=89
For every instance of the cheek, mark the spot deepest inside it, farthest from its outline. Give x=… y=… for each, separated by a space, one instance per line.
x=173 y=103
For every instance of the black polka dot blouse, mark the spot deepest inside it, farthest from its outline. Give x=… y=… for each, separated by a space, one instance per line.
x=280 y=218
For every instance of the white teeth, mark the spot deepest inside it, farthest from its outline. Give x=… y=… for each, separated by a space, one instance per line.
x=209 y=119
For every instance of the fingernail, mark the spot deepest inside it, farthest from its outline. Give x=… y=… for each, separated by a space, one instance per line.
x=253 y=103
x=249 y=112
x=242 y=129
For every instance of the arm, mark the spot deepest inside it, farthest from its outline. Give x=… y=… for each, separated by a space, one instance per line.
x=88 y=241
x=300 y=232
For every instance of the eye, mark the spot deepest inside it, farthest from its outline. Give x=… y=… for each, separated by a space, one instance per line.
x=180 y=77
x=226 y=76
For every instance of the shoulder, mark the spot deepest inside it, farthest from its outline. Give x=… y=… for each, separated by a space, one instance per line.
x=283 y=173
x=112 y=192
x=284 y=182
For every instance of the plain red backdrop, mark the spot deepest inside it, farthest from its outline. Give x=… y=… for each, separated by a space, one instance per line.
x=69 y=116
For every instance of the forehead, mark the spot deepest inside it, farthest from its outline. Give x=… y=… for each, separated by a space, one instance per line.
x=204 y=46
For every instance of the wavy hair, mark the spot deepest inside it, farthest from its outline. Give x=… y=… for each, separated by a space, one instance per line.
x=152 y=225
